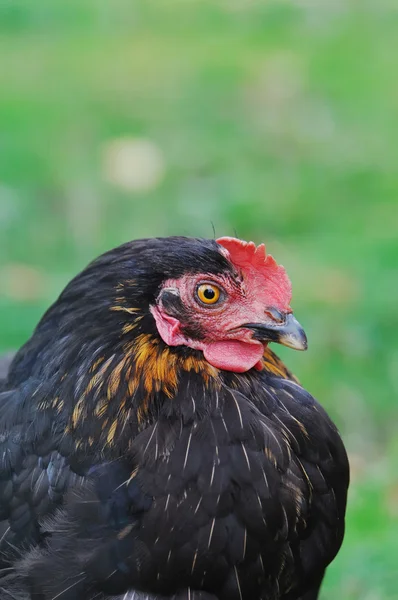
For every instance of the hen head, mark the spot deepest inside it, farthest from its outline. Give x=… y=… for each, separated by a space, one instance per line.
x=230 y=315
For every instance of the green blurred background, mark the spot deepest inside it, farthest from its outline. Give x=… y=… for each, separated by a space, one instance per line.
x=274 y=120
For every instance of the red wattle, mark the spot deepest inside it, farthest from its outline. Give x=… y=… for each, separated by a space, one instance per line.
x=233 y=355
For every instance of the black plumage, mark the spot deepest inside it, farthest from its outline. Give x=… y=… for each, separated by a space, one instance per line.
x=132 y=469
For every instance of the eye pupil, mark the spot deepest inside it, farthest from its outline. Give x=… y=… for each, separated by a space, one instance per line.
x=209 y=293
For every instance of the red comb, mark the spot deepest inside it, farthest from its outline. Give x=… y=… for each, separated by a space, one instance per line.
x=260 y=269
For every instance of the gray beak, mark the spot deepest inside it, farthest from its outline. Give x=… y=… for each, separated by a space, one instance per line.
x=288 y=333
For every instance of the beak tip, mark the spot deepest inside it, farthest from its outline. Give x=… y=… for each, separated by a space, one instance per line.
x=303 y=340
x=304 y=346
x=295 y=336
x=296 y=342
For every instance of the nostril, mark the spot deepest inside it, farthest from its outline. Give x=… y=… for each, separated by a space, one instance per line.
x=276 y=315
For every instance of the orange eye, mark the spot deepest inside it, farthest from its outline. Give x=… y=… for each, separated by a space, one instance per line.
x=208 y=293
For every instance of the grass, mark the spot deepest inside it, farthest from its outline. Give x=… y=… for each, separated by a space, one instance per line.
x=276 y=119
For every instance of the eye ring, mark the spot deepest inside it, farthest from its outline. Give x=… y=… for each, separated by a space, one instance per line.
x=208 y=293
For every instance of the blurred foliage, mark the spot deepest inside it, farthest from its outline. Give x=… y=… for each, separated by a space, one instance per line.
x=276 y=120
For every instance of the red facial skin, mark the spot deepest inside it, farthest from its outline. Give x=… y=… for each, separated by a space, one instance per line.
x=259 y=285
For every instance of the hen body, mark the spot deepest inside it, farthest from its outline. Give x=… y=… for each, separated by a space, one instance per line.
x=132 y=469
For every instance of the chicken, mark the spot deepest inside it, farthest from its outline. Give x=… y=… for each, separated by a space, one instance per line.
x=153 y=446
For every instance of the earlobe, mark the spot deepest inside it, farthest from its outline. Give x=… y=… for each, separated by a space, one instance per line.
x=169 y=328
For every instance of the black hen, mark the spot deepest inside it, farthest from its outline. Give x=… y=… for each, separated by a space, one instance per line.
x=152 y=445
